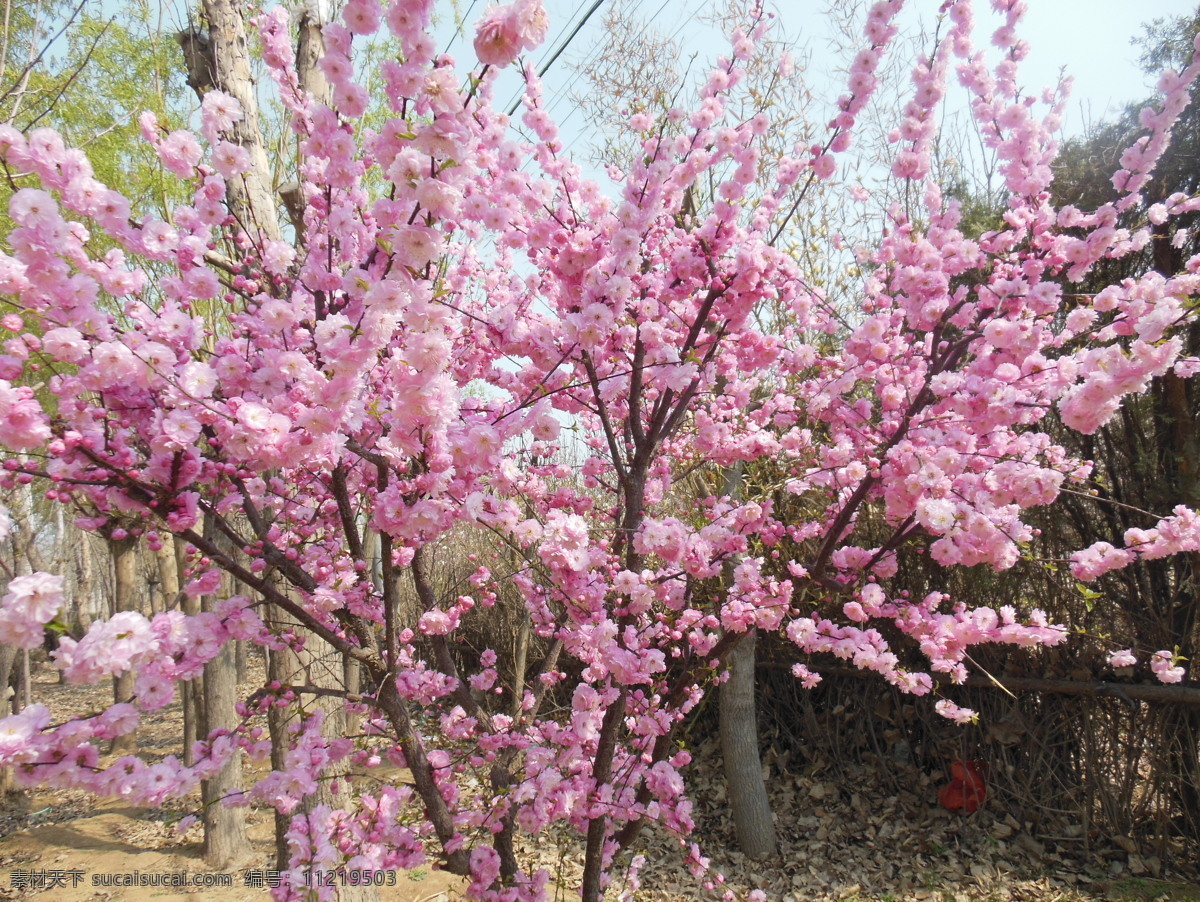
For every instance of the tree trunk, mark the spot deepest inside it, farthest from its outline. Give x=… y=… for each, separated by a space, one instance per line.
x=226 y=844
x=371 y=553
x=318 y=666
x=124 y=557
x=168 y=573
x=520 y=664
x=8 y=658
x=338 y=722
x=81 y=611
x=8 y=661
x=65 y=542
x=310 y=47
x=28 y=557
x=150 y=576
x=14 y=664
x=745 y=788
x=223 y=62
x=282 y=668
x=170 y=567
x=352 y=680
x=26 y=680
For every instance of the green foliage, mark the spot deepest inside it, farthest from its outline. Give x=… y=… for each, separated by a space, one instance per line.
x=90 y=77
x=28 y=29
x=980 y=212
x=130 y=64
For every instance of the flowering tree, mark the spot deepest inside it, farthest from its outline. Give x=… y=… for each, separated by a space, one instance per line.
x=406 y=365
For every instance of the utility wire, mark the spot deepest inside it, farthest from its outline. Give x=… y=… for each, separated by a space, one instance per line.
x=550 y=46
x=646 y=27
x=565 y=91
x=545 y=68
x=458 y=30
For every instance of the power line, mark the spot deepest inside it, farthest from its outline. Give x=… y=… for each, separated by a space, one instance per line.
x=561 y=31
x=546 y=68
x=555 y=98
x=458 y=29
x=646 y=26
x=550 y=46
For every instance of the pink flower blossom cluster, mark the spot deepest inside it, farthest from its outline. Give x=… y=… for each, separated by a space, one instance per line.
x=29 y=604
x=1163 y=664
x=505 y=31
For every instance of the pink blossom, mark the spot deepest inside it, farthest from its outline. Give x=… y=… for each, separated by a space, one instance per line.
x=950 y=710
x=1162 y=663
x=219 y=111
x=824 y=165
x=807 y=678
x=20 y=630
x=437 y=622
x=33 y=208
x=485 y=867
x=565 y=541
x=39 y=595
x=466 y=342
x=504 y=31
x=18 y=732
x=22 y=422
x=278 y=256
x=361 y=16
x=496 y=40
x=66 y=344
x=1122 y=658
x=230 y=159
x=109 y=647
x=180 y=152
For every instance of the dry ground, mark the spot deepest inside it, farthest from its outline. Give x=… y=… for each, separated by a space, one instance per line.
x=844 y=836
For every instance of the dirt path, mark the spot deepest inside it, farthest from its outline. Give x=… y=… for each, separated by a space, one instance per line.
x=90 y=857
x=844 y=836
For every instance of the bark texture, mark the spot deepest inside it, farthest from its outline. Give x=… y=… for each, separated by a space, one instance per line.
x=745 y=787
x=220 y=59
x=124 y=557
x=226 y=844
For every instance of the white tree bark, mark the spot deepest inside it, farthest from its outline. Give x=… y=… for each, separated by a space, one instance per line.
x=745 y=789
x=124 y=558
x=226 y=844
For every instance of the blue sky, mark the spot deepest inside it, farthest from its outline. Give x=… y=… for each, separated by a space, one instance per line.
x=1090 y=38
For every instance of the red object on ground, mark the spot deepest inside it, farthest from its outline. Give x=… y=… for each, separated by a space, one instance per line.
x=966 y=790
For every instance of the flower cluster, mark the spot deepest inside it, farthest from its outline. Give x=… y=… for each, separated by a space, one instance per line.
x=505 y=31
x=29 y=604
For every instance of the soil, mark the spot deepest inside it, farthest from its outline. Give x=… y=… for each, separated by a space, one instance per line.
x=844 y=835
